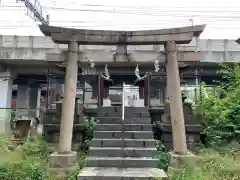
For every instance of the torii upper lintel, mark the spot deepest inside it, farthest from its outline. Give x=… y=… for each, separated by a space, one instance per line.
x=181 y=35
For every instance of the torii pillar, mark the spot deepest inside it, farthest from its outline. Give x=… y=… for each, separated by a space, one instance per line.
x=180 y=155
x=65 y=157
x=175 y=99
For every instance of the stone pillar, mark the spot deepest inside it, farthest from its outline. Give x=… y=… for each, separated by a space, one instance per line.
x=196 y=78
x=174 y=96
x=196 y=91
x=34 y=101
x=38 y=102
x=5 y=100
x=65 y=140
x=65 y=158
x=22 y=101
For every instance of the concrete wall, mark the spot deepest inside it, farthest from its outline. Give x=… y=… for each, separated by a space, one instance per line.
x=35 y=48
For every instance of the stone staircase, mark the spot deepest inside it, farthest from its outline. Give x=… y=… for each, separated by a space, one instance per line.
x=122 y=149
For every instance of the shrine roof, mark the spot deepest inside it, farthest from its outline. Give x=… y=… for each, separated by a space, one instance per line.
x=63 y=35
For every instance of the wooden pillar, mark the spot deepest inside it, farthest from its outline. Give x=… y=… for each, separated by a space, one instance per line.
x=94 y=84
x=99 y=91
x=48 y=91
x=141 y=91
x=147 y=90
x=174 y=96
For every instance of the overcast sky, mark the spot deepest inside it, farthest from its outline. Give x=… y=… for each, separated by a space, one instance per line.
x=222 y=17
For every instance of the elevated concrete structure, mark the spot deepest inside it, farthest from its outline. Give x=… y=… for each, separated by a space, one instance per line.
x=27 y=54
x=21 y=52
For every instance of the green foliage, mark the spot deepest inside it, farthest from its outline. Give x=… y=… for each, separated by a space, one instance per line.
x=220 y=113
x=214 y=165
x=89 y=127
x=35 y=146
x=30 y=161
x=22 y=162
x=163 y=160
x=74 y=174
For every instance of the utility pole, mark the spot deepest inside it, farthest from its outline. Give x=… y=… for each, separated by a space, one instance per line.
x=35 y=11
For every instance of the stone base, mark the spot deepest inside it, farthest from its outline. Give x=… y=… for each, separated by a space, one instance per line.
x=63 y=160
x=192 y=135
x=178 y=162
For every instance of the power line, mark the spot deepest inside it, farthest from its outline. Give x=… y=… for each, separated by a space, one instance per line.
x=133 y=23
x=145 y=22
x=147 y=7
x=204 y=20
x=143 y=7
x=111 y=22
x=161 y=12
x=93 y=26
x=135 y=12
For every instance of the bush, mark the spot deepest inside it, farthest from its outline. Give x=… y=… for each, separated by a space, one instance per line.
x=89 y=127
x=220 y=113
x=36 y=146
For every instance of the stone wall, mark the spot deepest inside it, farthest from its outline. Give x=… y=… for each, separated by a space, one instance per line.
x=52 y=120
x=192 y=127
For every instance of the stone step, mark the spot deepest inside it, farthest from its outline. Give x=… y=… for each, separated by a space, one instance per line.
x=127 y=127
x=127 y=143
x=119 y=152
x=125 y=134
x=96 y=173
x=118 y=120
x=120 y=162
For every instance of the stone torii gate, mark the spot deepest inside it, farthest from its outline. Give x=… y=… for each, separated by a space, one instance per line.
x=75 y=37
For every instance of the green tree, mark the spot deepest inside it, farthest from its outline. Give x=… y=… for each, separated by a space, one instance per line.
x=220 y=114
